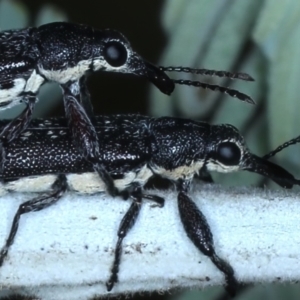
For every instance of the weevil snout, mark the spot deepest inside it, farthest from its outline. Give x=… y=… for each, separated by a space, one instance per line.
x=270 y=170
x=159 y=78
x=116 y=55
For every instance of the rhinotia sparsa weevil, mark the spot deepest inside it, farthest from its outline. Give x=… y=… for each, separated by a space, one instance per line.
x=135 y=148
x=65 y=53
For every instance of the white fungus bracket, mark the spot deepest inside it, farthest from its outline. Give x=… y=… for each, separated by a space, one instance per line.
x=66 y=251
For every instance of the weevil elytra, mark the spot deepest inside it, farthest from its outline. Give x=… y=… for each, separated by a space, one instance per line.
x=134 y=149
x=65 y=53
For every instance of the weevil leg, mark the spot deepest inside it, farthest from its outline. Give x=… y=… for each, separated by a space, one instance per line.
x=158 y=200
x=205 y=176
x=84 y=134
x=126 y=194
x=126 y=224
x=197 y=229
x=59 y=188
x=14 y=128
x=85 y=99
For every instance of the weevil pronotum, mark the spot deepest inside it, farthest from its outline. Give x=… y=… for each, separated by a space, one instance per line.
x=134 y=149
x=65 y=53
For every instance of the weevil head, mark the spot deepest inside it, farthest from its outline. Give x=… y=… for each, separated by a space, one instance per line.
x=227 y=152
x=225 y=149
x=113 y=53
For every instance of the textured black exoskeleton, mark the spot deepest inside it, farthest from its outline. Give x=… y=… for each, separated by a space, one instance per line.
x=133 y=149
x=65 y=53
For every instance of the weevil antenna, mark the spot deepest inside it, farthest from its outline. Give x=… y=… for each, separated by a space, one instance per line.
x=281 y=147
x=231 y=92
x=241 y=76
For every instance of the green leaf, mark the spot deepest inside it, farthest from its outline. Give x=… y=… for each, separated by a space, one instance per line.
x=208 y=34
x=237 y=112
x=50 y=13
x=13 y=15
x=283 y=99
x=275 y=21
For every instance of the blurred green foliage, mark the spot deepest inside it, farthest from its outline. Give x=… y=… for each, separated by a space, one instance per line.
x=261 y=38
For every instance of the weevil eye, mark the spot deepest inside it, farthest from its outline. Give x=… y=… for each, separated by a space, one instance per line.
x=228 y=154
x=115 y=54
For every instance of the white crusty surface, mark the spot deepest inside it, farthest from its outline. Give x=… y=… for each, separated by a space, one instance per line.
x=66 y=251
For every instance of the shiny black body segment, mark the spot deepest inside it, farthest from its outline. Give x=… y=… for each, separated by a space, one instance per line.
x=65 y=53
x=173 y=148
